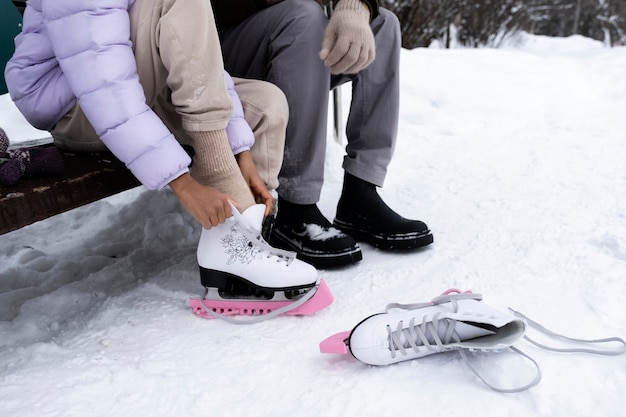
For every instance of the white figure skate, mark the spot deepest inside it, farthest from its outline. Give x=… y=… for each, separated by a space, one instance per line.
x=449 y=322
x=243 y=275
x=456 y=321
x=452 y=321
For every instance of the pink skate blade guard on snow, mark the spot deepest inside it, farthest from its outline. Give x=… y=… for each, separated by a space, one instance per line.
x=335 y=343
x=322 y=299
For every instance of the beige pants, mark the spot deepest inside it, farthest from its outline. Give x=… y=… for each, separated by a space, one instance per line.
x=180 y=67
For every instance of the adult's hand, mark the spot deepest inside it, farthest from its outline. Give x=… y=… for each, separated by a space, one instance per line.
x=348 y=45
x=205 y=204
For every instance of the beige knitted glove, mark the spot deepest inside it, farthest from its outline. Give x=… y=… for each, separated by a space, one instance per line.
x=348 y=44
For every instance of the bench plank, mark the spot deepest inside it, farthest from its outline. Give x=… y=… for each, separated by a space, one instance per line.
x=87 y=177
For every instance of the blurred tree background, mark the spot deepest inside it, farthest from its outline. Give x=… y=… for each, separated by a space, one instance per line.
x=487 y=22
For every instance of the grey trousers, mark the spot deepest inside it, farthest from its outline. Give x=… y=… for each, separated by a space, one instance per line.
x=281 y=44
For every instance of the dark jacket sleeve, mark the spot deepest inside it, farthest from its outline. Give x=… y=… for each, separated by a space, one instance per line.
x=230 y=12
x=373 y=5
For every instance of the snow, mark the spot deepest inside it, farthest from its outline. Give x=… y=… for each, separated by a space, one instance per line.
x=17 y=128
x=515 y=159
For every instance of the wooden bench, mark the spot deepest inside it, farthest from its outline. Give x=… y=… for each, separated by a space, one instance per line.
x=86 y=178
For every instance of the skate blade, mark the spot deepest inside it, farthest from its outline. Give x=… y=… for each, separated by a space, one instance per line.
x=320 y=300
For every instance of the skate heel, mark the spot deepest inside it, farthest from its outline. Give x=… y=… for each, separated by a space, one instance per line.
x=211 y=278
x=233 y=286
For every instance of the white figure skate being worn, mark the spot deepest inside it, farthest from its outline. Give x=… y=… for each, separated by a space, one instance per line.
x=243 y=275
x=453 y=321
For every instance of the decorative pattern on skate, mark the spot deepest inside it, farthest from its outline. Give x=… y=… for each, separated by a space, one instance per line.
x=321 y=299
x=238 y=247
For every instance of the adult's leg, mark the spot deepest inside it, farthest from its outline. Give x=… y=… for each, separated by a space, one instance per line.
x=281 y=45
x=372 y=124
x=371 y=131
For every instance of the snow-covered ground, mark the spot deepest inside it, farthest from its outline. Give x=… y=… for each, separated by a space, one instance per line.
x=515 y=157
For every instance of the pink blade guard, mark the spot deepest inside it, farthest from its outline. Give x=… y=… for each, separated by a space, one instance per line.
x=335 y=343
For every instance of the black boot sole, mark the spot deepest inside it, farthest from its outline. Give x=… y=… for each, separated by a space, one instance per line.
x=386 y=241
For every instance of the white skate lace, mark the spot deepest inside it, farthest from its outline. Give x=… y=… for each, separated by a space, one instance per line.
x=416 y=333
x=415 y=336
x=601 y=350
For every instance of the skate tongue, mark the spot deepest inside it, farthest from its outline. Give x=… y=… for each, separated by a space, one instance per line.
x=467 y=331
x=254 y=216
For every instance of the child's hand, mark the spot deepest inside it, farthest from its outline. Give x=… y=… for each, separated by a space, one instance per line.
x=205 y=204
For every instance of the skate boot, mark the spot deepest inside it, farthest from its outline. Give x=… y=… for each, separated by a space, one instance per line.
x=243 y=275
x=449 y=322
x=452 y=321
x=460 y=322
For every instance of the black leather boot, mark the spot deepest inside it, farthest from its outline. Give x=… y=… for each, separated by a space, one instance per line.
x=362 y=214
x=304 y=230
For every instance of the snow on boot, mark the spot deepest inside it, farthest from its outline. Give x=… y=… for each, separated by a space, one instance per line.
x=302 y=228
x=243 y=275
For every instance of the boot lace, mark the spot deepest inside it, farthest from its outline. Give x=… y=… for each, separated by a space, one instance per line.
x=415 y=336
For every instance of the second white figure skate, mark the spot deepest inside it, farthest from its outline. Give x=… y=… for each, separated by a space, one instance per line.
x=457 y=321
x=243 y=275
x=448 y=322
x=453 y=321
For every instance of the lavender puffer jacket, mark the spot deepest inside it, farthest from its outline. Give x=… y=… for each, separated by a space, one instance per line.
x=52 y=68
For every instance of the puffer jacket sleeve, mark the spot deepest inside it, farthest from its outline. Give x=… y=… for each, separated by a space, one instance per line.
x=91 y=40
x=34 y=79
x=238 y=130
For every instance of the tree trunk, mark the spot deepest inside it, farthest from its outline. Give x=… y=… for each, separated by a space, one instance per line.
x=576 y=17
